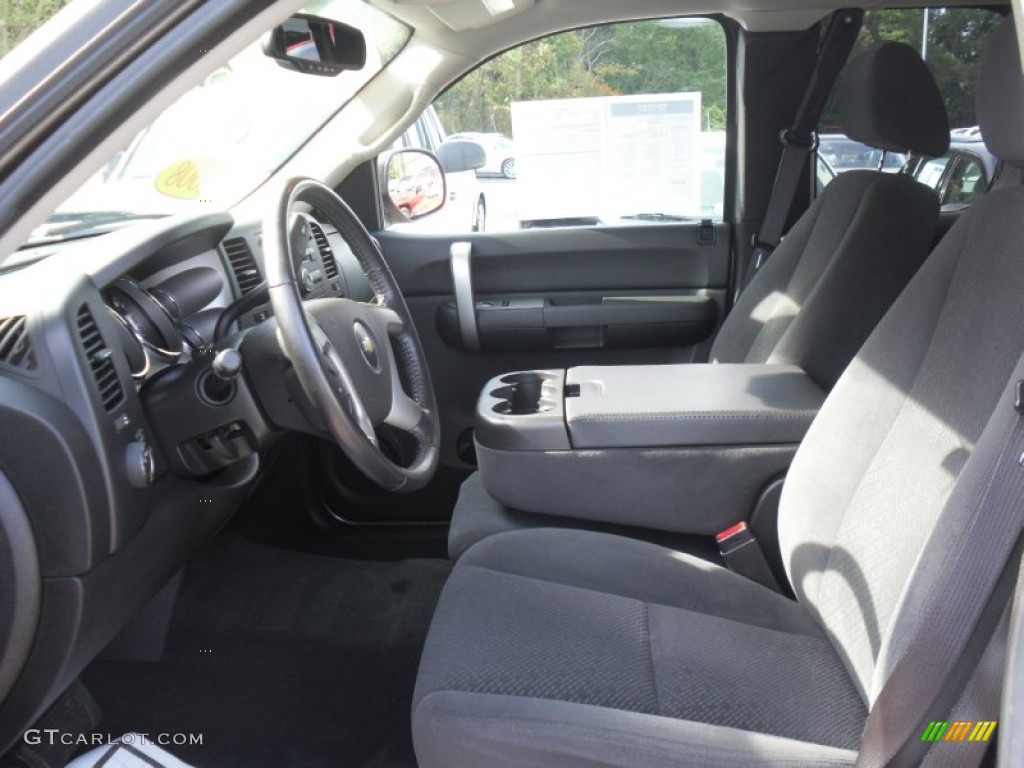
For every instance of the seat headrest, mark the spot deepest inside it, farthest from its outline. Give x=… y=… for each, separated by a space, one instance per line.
x=1000 y=97
x=889 y=100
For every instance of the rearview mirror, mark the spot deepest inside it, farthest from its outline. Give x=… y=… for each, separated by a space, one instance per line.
x=414 y=184
x=316 y=46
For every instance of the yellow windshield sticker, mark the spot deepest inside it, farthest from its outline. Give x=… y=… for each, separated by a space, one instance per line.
x=180 y=180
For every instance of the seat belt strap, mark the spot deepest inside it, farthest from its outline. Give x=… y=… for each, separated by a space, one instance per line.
x=982 y=693
x=928 y=679
x=799 y=140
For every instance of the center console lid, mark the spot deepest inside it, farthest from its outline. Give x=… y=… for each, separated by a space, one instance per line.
x=659 y=405
x=647 y=406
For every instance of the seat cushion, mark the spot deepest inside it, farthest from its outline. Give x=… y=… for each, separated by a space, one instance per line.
x=555 y=646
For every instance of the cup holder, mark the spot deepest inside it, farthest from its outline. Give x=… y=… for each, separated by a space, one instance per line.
x=527 y=377
x=506 y=408
x=521 y=395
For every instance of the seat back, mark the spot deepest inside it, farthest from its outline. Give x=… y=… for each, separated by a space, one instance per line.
x=906 y=437
x=848 y=257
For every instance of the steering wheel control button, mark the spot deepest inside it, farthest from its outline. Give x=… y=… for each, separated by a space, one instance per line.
x=139 y=464
x=367 y=345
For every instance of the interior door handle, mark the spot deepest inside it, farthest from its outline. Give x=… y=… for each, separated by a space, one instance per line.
x=465 y=306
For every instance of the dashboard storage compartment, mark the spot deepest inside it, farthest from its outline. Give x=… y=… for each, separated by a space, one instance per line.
x=676 y=447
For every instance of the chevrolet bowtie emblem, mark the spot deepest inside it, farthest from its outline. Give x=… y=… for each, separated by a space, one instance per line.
x=367 y=346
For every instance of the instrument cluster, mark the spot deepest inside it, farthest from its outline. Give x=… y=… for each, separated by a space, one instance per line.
x=158 y=325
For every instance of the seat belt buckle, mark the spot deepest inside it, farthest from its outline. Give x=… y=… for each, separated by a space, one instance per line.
x=759 y=256
x=744 y=556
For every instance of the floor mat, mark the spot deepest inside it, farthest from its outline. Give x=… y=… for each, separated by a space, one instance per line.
x=280 y=658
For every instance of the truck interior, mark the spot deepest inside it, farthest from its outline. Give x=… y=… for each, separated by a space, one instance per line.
x=323 y=442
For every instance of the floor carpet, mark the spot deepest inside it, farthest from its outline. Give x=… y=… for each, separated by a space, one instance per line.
x=281 y=658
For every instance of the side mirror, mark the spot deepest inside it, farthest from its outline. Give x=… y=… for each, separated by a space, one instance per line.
x=413 y=184
x=461 y=155
x=316 y=46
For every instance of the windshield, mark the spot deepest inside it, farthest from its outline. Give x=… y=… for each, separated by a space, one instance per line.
x=226 y=136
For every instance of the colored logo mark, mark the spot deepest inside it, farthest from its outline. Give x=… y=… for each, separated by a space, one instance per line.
x=959 y=730
x=180 y=180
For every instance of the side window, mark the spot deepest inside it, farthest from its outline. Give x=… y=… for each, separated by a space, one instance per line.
x=404 y=141
x=18 y=20
x=615 y=124
x=930 y=171
x=966 y=182
x=435 y=136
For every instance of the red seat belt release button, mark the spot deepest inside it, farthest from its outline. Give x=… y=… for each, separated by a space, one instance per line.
x=744 y=556
x=731 y=532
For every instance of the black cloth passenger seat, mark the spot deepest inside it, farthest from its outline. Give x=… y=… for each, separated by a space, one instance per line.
x=850 y=255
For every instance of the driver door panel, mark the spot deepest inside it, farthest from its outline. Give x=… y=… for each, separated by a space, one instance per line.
x=555 y=299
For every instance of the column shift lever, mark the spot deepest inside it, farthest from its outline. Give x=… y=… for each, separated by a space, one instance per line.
x=219 y=387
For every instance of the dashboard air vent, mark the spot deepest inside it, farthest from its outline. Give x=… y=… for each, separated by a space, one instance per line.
x=326 y=253
x=101 y=361
x=243 y=265
x=15 y=345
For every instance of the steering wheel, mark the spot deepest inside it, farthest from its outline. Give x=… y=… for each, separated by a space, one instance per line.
x=353 y=360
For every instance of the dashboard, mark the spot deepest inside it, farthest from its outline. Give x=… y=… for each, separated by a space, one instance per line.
x=128 y=432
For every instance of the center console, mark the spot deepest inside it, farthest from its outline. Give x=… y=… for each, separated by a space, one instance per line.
x=684 y=448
